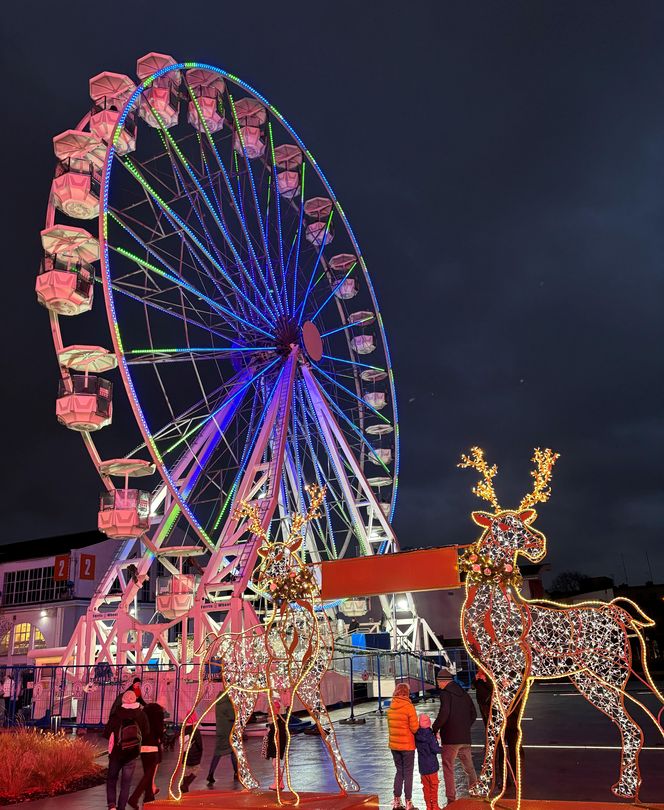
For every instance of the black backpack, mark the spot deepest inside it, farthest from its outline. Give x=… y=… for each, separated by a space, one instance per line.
x=129 y=737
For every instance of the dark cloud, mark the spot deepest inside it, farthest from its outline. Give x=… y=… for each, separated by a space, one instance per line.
x=502 y=166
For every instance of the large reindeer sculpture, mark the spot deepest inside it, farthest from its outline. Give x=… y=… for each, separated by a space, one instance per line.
x=516 y=641
x=286 y=656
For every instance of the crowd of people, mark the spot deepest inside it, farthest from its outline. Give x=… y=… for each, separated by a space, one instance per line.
x=136 y=730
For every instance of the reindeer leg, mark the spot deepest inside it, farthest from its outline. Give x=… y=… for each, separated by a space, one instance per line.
x=312 y=701
x=608 y=698
x=244 y=703
x=494 y=733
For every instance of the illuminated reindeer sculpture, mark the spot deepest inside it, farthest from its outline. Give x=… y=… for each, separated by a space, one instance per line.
x=516 y=641
x=288 y=655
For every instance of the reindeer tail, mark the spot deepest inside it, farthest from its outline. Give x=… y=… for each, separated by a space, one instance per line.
x=641 y=619
x=636 y=624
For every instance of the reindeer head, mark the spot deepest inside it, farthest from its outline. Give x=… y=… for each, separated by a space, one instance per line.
x=281 y=574
x=508 y=533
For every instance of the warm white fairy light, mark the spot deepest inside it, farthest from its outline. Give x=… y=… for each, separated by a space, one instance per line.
x=516 y=641
x=288 y=655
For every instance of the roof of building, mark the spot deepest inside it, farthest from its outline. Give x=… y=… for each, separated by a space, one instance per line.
x=48 y=546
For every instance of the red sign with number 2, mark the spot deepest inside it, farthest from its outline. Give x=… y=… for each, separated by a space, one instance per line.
x=61 y=568
x=87 y=566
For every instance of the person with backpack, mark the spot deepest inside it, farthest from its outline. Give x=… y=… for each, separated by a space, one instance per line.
x=151 y=754
x=456 y=715
x=126 y=729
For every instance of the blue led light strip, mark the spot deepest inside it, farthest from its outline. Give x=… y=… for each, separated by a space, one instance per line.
x=210 y=208
x=348 y=391
x=256 y=205
x=313 y=272
x=331 y=295
x=171 y=215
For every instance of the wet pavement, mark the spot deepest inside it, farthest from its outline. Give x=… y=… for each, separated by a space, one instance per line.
x=571 y=753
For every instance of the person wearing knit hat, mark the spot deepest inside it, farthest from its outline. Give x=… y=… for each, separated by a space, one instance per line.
x=456 y=715
x=427 y=762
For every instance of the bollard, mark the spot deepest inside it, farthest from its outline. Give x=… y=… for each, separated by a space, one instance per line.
x=56 y=723
x=352 y=720
x=380 y=697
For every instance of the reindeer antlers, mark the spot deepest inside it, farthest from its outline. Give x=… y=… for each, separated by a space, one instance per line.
x=254 y=525
x=317 y=496
x=484 y=488
x=544 y=461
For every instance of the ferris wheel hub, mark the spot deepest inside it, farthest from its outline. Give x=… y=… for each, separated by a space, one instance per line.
x=312 y=341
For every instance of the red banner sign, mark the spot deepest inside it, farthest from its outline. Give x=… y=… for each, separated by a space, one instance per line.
x=61 y=568
x=87 y=566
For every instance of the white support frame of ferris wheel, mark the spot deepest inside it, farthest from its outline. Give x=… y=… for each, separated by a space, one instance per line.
x=223 y=588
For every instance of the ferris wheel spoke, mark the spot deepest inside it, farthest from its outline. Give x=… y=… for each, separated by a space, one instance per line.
x=284 y=291
x=355 y=430
x=211 y=416
x=300 y=309
x=175 y=219
x=235 y=204
x=177 y=355
x=217 y=220
x=346 y=326
x=332 y=294
x=169 y=312
x=351 y=362
x=321 y=479
x=157 y=256
x=298 y=240
x=257 y=207
x=220 y=310
x=249 y=446
x=362 y=402
x=339 y=465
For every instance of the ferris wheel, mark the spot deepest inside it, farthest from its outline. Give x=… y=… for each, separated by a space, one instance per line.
x=247 y=335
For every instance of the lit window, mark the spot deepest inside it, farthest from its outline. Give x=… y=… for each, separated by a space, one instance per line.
x=38 y=642
x=4 y=644
x=22 y=638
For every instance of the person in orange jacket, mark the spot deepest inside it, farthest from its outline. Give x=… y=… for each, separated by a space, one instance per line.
x=402 y=724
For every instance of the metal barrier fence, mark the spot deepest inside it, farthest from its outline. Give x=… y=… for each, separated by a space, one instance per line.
x=83 y=696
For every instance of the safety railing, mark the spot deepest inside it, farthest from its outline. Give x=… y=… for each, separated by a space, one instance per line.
x=82 y=696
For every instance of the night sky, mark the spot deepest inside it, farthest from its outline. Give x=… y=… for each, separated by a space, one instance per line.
x=502 y=165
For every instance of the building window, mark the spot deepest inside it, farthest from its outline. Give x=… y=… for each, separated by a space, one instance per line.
x=22 y=638
x=4 y=644
x=30 y=586
x=38 y=642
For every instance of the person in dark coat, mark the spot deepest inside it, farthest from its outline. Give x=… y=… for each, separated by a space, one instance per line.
x=483 y=694
x=126 y=729
x=277 y=735
x=427 y=761
x=456 y=715
x=151 y=755
x=192 y=760
x=224 y=713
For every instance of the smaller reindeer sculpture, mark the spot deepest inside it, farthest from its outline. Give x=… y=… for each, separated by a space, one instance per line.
x=287 y=655
x=516 y=641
